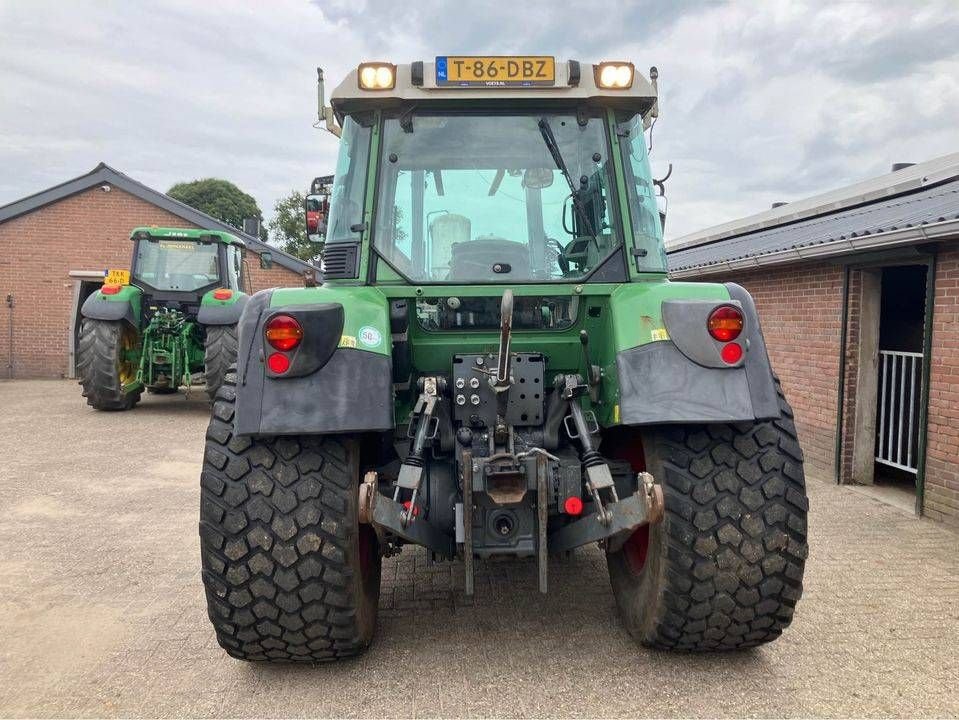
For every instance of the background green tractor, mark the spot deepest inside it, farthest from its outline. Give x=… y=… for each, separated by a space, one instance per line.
x=497 y=365
x=171 y=317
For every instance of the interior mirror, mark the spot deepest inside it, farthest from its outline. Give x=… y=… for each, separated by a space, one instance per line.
x=538 y=178
x=266 y=260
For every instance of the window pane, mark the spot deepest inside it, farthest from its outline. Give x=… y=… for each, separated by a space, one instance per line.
x=643 y=212
x=469 y=198
x=349 y=184
x=176 y=264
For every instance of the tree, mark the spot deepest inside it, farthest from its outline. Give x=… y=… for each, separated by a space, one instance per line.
x=288 y=228
x=220 y=199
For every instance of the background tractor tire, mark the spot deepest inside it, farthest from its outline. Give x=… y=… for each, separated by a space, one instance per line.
x=290 y=574
x=101 y=367
x=219 y=355
x=724 y=569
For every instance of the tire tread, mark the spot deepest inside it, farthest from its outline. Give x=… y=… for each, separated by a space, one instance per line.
x=735 y=535
x=277 y=536
x=98 y=354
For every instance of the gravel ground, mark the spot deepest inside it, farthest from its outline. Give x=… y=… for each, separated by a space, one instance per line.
x=102 y=610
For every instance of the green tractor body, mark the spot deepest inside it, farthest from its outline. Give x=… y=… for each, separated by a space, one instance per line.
x=497 y=366
x=172 y=316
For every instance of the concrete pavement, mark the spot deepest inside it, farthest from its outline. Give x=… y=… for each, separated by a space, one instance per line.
x=102 y=610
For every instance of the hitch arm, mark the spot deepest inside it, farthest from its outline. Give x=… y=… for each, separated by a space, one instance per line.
x=426 y=426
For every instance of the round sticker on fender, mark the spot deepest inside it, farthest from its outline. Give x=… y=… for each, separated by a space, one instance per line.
x=369 y=336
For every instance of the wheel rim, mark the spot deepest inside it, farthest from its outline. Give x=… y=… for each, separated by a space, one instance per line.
x=126 y=369
x=636 y=550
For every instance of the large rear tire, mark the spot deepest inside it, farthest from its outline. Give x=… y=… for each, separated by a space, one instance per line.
x=219 y=355
x=724 y=569
x=290 y=574
x=102 y=365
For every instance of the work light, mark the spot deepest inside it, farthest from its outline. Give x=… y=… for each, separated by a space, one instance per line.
x=377 y=76
x=614 y=75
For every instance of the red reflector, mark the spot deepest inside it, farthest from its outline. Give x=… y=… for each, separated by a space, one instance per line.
x=573 y=506
x=416 y=510
x=222 y=294
x=283 y=332
x=725 y=323
x=110 y=289
x=732 y=353
x=279 y=363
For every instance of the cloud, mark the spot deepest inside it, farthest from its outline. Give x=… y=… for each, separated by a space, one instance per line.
x=760 y=101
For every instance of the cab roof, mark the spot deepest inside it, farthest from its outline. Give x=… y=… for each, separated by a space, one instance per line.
x=574 y=84
x=189 y=234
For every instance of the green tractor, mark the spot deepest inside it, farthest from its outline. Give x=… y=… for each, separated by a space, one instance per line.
x=497 y=366
x=170 y=318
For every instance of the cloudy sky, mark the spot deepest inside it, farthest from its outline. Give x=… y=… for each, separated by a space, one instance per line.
x=761 y=101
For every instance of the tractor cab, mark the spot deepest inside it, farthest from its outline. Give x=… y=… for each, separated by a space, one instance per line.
x=185 y=264
x=503 y=175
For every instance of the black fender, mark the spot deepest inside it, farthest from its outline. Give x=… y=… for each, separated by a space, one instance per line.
x=328 y=389
x=96 y=307
x=684 y=379
x=222 y=314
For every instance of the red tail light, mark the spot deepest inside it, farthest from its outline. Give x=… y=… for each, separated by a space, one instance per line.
x=725 y=323
x=283 y=332
x=222 y=294
x=278 y=363
x=110 y=289
x=732 y=353
x=573 y=506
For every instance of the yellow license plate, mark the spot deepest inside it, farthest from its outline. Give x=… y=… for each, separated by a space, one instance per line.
x=495 y=71
x=117 y=277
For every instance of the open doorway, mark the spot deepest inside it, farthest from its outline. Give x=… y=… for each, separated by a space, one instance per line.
x=899 y=380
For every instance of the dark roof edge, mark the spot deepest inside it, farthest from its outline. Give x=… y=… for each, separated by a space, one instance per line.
x=824 y=215
x=103 y=173
x=918 y=176
x=915 y=235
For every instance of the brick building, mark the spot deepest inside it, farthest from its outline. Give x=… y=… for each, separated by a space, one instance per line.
x=55 y=245
x=862 y=284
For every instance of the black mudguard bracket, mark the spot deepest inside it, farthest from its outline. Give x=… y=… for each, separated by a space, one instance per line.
x=626 y=515
x=388 y=515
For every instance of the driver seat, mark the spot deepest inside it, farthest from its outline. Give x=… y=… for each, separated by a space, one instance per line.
x=474 y=260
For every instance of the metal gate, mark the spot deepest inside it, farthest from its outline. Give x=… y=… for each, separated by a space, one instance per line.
x=897 y=435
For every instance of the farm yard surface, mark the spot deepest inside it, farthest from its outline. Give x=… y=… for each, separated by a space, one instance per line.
x=102 y=610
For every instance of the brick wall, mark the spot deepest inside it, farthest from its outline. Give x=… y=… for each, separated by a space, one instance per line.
x=87 y=231
x=276 y=276
x=800 y=309
x=942 y=446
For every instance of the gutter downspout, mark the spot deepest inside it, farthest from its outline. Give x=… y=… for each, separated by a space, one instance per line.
x=841 y=395
x=926 y=382
x=10 y=303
